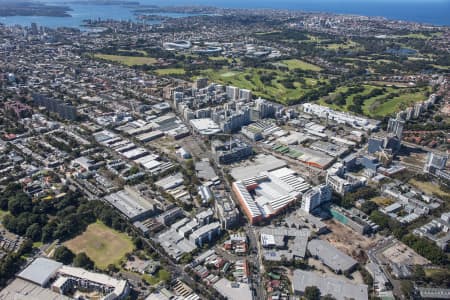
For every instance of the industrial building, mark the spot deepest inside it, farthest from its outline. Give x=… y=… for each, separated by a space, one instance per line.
x=328 y=285
x=229 y=152
x=24 y=290
x=333 y=258
x=282 y=242
x=71 y=277
x=41 y=271
x=234 y=290
x=204 y=126
x=132 y=205
x=267 y=194
x=340 y=117
x=354 y=218
x=44 y=273
x=261 y=163
x=433 y=293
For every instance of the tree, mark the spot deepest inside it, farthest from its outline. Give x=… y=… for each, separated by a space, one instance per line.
x=438 y=118
x=426 y=248
x=369 y=206
x=47 y=231
x=64 y=255
x=312 y=293
x=81 y=260
x=419 y=273
x=407 y=288
x=19 y=203
x=34 y=232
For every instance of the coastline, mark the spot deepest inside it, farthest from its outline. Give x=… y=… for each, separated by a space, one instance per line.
x=77 y=11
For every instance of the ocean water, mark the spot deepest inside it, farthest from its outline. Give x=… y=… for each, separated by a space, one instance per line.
x=79 y=13
x=436 y=12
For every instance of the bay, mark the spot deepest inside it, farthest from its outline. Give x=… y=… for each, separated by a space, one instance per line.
x=436 y=12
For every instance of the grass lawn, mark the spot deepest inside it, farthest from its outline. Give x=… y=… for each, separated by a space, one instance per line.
x=127 y=60
x=170 y=71
x=377 y=106
x=382 y=201
x=428 y=187
x=348 y=100
x=420 y=36
x=3 y=213
x=37 y=244
x=251 y=79
x=215 y=58
x=343 y=45
x=430 y=272
x=373 y=108
x=228 y=74
x=136 y=51
x=441 y=67
x=102 y=244
x=162 y=275
x=293 y=64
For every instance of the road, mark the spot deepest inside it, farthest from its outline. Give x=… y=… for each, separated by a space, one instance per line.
x=374 y=255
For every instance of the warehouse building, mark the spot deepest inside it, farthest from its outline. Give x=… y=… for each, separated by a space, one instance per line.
x=132 y=205
x=267 y=194
x=333 y=258
x=337 y=288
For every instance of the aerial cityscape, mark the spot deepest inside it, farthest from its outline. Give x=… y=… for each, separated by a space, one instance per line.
x=202 y=150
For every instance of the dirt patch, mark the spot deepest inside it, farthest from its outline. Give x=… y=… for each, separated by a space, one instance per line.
x=349 y=241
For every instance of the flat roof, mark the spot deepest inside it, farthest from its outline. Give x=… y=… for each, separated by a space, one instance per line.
x=40 y=270
x=128 y=204
x=262 y=163
x=98 y=278
x=338 y=288
x=435 y=293
x=233 y=290
x=330 y=256
x=150 y=135
x=25 y=290
x=135 y=153
x=205 y=126
x=171 y=181
x=204 y=170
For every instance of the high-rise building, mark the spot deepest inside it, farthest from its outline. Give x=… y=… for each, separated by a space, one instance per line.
x=64 y=110
x=266 y=109
x=232 y=92
x=435 y=162
x=245 y=95
x=34 y=29
x=395 y=126
x=389 y=143
x=315 y=197
x=418 y=109
x=230 y=120
x=409 y=113
x=200 y=83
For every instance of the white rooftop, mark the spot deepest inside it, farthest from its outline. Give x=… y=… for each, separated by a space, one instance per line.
x=40 y=270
